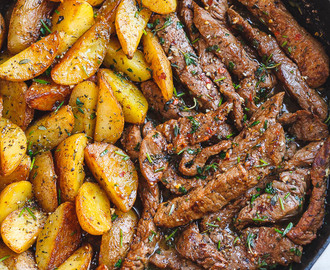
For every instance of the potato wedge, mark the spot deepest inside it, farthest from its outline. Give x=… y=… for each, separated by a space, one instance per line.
x=107 y=12
x=15 y=107
x=83 y=101
x=73 y=18
x=32 y=61
x=160 y=65
x=13 y=197
x=134 y=104
x=59 y=238
x=80 y=260
x=69 y=160
x=4 y=56
x=25 y=23
x=136 y=68
x=45 y=95
x=12 y=146
x=115 y=172
x=21 y=173
x=49 y=131
x=43 y=179
x=130 y=23
x=161 y=6
x=19 y=230
x=109 y=114
x=2 y=30
x=116 y=242
x=93 y=209
x=95 y=2
x=84 y=58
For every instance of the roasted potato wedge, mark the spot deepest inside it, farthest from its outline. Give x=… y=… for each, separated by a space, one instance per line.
x=95 y=2
x=85 y=56
x=21 y=173
x=107 y=12
x=109 y=114
x=136 y=68
x=12 y=146
x=83 y=101
x=32 y=61
x=69 y=160
x=116 y=242
x=45 y=95
x=43 y=179
x=13 y=197
x=4 y=56
x=59 y=238
x=19 y=230
x=93 y=209
x=49 y=131
x=161 y=6
x=160 y=65
x=14 y=106
x=2 y=30
x=134 y=104
x=25 y=23
x=73 y=18
x=130 y=23
x=80 y=260
x=115 y=172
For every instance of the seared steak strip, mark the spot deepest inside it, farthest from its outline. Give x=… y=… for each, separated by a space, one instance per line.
x=305 y=231
x=131 y=140
x=302 y=48
x=142 y=247
x=286 y=71
x=185 y=61
x=217 y=8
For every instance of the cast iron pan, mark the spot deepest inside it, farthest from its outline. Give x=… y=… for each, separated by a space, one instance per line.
x=314 y=16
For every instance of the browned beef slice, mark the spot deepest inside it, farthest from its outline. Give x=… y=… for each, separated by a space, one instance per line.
x=305 y=126
x=305 y=231
x=131 y=140
x=286 y=71
x=199 y=248
x=217 y=8
x=171 y=259
x=302 y=48
x=142 y=247
x=172 y=109
x=185 y=62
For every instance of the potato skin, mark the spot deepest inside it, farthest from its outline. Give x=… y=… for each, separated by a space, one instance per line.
x=15 y=107
x=79 y=260
x=2 y=30
x=69 y=160
x=25 y=24
x=111 y=250
x=49 y=131
x=44 y=179
x=59 y=238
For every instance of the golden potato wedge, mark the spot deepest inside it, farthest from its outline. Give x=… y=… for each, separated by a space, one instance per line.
x=102 y=267
x=161 y=6
x=83 y=101
x=136 y=68
x=25 y=23
x=59 y=238
x=15 y=107
x=12 y=146
x=95 y=2
x=107 y=13
x=69 y=160
x=84 y=58
x=130 y=23
x=115 y=172
x=80 y=260
x=73 y=18
x=116 y=242
x=43 y=179
x=45 y=95
x=160 y=65
x=134 y=104
x=32 y=61
x=19 y=230
x=13 y=197
x=109 y=114
x=21 y=173
x=93 y=209
x=4 y=56
x=49 y=131
x=2 y=31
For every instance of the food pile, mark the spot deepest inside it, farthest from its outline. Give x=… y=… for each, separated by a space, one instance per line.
x=159 y=134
